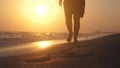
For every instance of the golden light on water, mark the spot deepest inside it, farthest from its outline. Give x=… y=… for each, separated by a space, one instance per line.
x=44 y=44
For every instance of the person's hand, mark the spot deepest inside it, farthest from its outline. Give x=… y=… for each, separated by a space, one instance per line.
x=60 y=2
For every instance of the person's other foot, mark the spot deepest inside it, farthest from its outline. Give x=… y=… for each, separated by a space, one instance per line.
x=75 y=41
x=69 y=38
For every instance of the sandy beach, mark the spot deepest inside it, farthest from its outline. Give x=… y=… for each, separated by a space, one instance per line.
x=96 y=53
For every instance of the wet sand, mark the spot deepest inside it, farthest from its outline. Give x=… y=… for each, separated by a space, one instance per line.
x=102 y=52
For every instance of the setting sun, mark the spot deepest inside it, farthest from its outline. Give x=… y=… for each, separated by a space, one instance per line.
x=40 y=10
x=37 y=11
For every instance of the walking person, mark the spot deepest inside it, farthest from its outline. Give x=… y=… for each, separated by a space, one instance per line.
x=76 y=9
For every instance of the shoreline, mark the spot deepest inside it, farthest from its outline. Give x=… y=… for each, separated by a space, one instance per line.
x=96 y=53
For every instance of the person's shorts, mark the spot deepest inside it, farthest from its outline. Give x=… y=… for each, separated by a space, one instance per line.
x=73 y=8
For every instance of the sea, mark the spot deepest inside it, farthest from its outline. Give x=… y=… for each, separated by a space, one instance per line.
x=17 y=43
x=9 y=38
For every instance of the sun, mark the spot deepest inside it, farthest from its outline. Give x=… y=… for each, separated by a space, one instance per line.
x=40 y=10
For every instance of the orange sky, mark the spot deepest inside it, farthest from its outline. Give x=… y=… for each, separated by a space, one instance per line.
x=19 y=15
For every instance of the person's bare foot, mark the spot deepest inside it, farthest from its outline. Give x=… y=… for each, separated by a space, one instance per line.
x=75 y=41
x=69 y=38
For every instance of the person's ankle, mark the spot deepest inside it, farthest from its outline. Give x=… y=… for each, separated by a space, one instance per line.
x=69 y=38
x=75 y=40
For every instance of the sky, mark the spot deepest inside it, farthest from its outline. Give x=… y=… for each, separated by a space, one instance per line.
x=24 y=15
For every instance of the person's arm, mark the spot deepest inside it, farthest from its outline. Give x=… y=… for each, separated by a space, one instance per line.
x=60 y=2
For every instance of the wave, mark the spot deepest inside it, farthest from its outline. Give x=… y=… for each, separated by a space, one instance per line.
x=10 y=38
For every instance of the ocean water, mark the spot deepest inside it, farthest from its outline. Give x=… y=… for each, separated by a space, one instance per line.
x=16 y=43
x=7 y=38
x=10 y=38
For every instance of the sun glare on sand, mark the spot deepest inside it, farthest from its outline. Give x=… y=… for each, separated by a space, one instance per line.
x=44 y=44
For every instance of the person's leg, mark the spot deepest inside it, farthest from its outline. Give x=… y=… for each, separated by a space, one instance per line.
x=76 y=26
x=69 y=22
x=68 y=16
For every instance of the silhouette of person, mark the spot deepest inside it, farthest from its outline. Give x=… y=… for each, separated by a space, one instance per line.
x=75 y=8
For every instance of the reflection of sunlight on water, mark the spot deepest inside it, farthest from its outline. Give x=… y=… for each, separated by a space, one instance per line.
x=44 y=44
